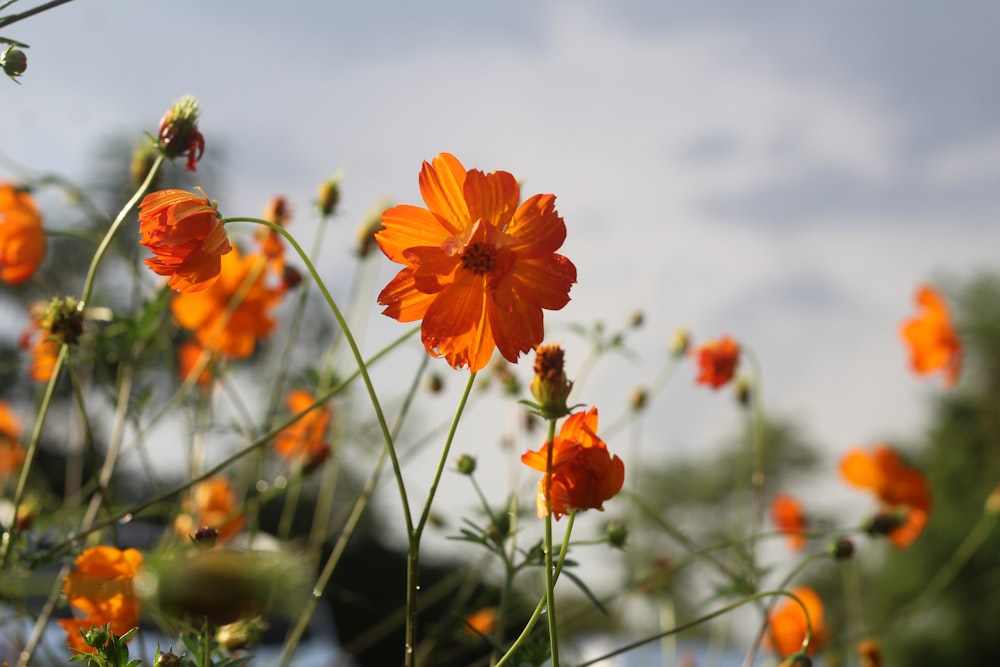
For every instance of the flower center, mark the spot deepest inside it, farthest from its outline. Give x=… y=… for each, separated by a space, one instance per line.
x=480 y=258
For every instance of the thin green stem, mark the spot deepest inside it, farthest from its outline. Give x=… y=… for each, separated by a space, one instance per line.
x=14 y=18
x=550 y=584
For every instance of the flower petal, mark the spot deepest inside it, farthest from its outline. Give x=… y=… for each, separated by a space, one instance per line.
x=537 y=228
x=492 y=197
x=408 y=226
x=441 y=184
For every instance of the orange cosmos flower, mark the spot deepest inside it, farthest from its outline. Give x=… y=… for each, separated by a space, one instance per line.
x=206 y=313
x=482 y=622
x=787 y=623
x=186 y=236
x=101 y=588
x=717 y=361
x=479 y=268
x=43 y=345
x=11 y=452
x=178 y=133
x=304 y=440
x=188 y=357
x=212 y=503
x=897 y=487
x=22 y=239
x=788 y=515
x=584 y=474
x=932 y=339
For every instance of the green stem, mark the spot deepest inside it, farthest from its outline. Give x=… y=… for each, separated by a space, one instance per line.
x=757 y=476
x=14 y=18
x=550 y=584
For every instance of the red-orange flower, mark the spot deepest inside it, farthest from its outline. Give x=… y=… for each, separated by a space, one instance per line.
x=43 y=346
x=206 y=313
x=482 y=622
x=101 y=588
x=932 y=339
x=304 y=440
x=479 y=268
x=584 y=474
x=788 y=515
x=787 y=625
x=717 y=361
x=22 y=238
x=186 y=236
x=212 y=503
x=897 y=486
x=11 y=452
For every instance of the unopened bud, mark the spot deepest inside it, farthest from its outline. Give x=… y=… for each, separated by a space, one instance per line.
x=549 y=386
x=167 y=659
x=205 y=537
x=743 y=392
x=329 y=196
x=14 y=62
x=435 y=383
x=841 y=548
x=637 y=398
x=370 y=226
x=241 y=634
x=466 y=464
x=617 y=534
x=680 y=342
x=292 y=277
x=97 y=636
x=883 y=523
x=635 y=319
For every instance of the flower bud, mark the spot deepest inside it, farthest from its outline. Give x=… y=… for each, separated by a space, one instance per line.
x=882 y=524
x=14 y=62
x=167 y=659
x=97 y=636
x=466 y=464
x=499 y=529
x=549 y=386
x=244 y=632
x=370 y=226
x=60 y=318
x=329 y=196
x=616 y=534
x=178 y=133
x=680 y=342
x=637 y=398
x=841 y=548
x=743 y=392
x=291 y=277
x=205 y=537
x=277 y=211
x=635 y=319
x=435 y=383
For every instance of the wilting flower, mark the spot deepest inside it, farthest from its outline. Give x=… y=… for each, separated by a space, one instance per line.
x=184 y=232
x=206 y=313
x=212 y=503
x=898 y=488
x=305 y=440
x=932 y=339
x=787 y=625
x=584 y=474
x=479 y=268
x=717 y=361
x=22 y=238
x=178 y=133
x=11 y=452
x=101 y=589
x=788 y=515
x=482 y=622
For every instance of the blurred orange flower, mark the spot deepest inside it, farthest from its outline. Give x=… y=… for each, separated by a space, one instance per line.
x=188 y=356
x=270 y=241
x=932 y=339
x=43 y=345
x=212 y=503
x=482 y=622
x=22 y=238
x=786 y=624
x=101 y=588
x=584 y=474
x=206 y=312
x=186 y=236
x=788 y=515
x=479 y=269
x=897 y=487
x=717 y=361
x=11 y=452
x=304 y=440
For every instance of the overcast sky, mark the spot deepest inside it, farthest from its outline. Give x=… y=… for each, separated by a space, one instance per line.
x=787 y=173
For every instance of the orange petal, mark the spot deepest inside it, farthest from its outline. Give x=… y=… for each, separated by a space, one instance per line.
x=402 y=300
x=491 y=197
x=537 y=228
x=859 y=469
x=407 y=227
x=441 y=185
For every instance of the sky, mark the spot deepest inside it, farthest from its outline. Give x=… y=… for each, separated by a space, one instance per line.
x=786 y=173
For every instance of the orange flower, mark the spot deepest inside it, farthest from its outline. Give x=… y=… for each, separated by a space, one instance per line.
x=43 y=345
x=11 y=452
x=206 y=312
x=212 y=503
x=305 y=439
x=482 y=622
x=270 y=241
x=932 y=339
x=584 y=474
x=870 y=653
x=22 y=239
x=787 y=623
x=788 y=516
x=101 y=588
x=479 y=268
x=897 y=487
x=188 y=357
x=717 y=361
x=186 y=236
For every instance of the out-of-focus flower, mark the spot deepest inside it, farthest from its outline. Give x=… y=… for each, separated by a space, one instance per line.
x=870 y=653
x=22 y=238
x=305 y=440
x=932 y=339
x=212 y=503
x=717 y=361
x=370 y=226
x=184 y=232
x=898 y=488
x=206 y=313
x=789 y=517
x=188 y=356
x=479 y=269
x=271 y=244
x=101 y=589
x=329 y=195
x=584 y=474
x=787 y=625
x=482 y=622
x=178 y=133
x=51 y=322
x=11 y=452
